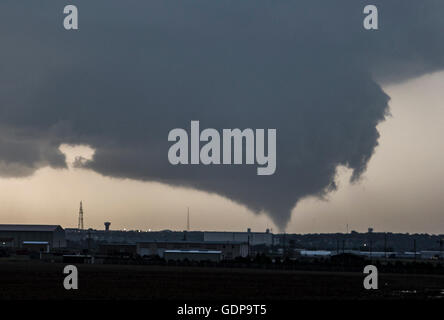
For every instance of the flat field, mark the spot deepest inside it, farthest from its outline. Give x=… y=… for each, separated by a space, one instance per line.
x=38 y=280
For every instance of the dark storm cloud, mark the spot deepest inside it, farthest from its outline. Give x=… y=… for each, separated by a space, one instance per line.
x=137 y=69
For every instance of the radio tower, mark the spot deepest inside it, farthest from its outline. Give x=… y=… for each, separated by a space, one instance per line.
x=80 y=217
x=188 y=219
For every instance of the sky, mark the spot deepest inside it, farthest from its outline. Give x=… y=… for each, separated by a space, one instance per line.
x=357 y=141
x=401 y=191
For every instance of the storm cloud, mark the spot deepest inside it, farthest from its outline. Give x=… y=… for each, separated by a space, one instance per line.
x=137 y=69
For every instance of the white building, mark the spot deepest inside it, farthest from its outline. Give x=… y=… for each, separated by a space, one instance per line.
x=252 y=238
x=228 y=249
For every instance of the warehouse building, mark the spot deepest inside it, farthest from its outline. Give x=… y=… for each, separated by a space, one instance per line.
x=38 y=237
x=228 y=250
x=193 y=255
x=117 y=249
x=252 y=238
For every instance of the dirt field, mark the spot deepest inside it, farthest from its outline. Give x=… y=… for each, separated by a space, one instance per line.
x=36 y=280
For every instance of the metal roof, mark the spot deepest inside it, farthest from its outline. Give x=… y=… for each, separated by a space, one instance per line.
x=190 y=242
x=35 y=242
x=194 y=251
x=28 y=227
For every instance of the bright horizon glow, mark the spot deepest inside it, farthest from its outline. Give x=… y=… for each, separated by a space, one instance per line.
x=401 y=191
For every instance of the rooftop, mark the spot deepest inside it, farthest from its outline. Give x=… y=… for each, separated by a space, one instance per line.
x=191 y=242
x=194 y=251
x=29 y=227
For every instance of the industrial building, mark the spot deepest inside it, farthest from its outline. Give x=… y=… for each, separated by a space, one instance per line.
x=38 y=237
x=193 y=255
x=252 y=238
x=228 y=250
x=117 y=249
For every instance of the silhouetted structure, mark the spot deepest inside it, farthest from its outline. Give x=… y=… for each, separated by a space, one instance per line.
x=80 y=226
x=34 y=237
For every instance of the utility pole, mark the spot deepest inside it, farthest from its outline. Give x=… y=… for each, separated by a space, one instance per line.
x=188 y=219
x=440 y=248
x=414 y=248
x=249 y=246
x=284 y=245
x=89 y=241
x=80 y=225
